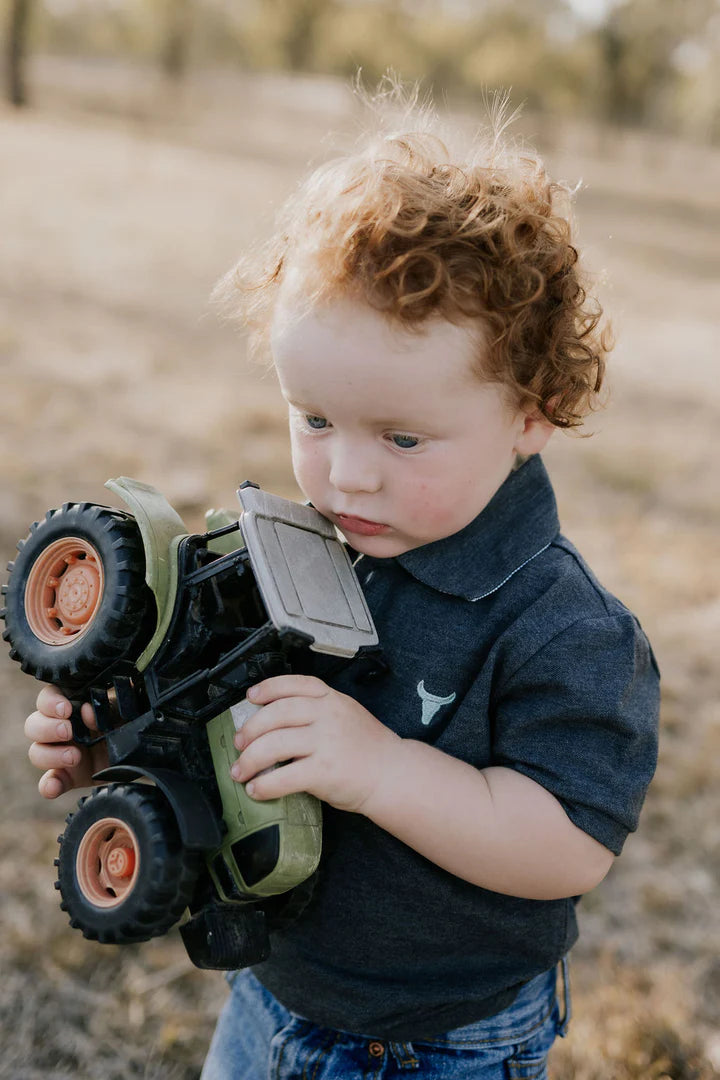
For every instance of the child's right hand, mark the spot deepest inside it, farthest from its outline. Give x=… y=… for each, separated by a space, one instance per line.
x=67 y=765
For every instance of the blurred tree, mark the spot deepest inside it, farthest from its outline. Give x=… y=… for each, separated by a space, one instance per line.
x=175 y=45
x=296 y=23
x=220 y=32
x=529 y=47
x=16 y=51
x=372 y=37
x=638 y=43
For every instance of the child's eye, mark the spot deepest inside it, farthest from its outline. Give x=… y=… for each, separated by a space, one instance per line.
x=315 y=422
x=404 y=442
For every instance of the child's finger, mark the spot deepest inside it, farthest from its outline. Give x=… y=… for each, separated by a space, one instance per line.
x=53 y=783
x=88 y=716
x=284 y=745
x=275 y=784
x=58 y=756
x=47 y=729
x=52 y=702
x=282 y=686
x=283 y=713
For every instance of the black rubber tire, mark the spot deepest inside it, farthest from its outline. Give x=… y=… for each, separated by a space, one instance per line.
x=122 y=624
x=167 y=874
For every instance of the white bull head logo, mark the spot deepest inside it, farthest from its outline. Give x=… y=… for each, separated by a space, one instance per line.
x=431 y=702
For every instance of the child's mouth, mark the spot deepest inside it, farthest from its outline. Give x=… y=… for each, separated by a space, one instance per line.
x=359 y=526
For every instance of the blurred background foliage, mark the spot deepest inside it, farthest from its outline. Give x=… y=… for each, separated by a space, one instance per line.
x=637 y=63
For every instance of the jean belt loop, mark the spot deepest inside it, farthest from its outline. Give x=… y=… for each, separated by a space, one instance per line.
x=404 y=1055
x=564 y=1021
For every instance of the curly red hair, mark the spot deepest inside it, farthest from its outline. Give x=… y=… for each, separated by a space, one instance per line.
x=417 y=236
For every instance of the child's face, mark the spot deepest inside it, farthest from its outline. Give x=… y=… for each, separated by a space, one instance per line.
x=394 y=437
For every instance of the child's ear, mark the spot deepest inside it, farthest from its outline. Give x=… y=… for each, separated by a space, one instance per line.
x=534 y=434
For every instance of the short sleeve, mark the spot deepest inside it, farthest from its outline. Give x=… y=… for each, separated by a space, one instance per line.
x=580 y=717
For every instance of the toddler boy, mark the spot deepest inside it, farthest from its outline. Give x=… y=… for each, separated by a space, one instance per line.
x=430 y=330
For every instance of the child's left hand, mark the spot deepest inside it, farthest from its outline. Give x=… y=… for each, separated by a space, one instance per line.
x=332 y=747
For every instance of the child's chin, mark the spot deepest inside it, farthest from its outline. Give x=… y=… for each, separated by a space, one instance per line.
x=380 y=547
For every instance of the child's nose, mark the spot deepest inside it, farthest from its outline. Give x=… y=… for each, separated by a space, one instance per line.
x=352 y=470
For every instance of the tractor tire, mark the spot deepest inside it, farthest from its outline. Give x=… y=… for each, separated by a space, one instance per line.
x=76 y=599
x=123 y=873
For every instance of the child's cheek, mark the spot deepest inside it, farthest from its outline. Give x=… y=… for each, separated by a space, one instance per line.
x=442 y=509
x=307 y=463
x=427 y=505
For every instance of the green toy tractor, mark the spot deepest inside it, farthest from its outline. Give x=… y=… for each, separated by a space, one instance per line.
x=163 y=632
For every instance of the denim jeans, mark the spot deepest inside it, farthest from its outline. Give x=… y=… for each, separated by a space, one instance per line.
x=258 y=1039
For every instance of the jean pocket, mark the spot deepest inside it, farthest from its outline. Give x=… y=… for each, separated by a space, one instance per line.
x=529 y=1059
x=298 y=1049
x=527 y=1066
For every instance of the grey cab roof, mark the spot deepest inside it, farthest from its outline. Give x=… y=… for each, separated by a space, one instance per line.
x=304 y=573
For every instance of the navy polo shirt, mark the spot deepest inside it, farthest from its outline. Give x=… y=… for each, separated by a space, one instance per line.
x=501 y=648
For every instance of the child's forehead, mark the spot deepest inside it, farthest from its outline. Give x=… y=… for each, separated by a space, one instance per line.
x=347 y=359
x=348 y=328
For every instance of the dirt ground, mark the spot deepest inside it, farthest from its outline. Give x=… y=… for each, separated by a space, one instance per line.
x=120 y=205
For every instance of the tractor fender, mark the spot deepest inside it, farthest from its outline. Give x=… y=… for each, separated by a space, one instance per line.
x=161 y=529
x=199 y=826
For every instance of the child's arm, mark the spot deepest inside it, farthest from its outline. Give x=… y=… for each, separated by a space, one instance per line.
x=494 y=827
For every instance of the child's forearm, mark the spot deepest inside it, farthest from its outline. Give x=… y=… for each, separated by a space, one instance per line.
x=494 y=827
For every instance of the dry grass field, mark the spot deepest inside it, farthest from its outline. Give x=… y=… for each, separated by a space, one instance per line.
x=120 y=205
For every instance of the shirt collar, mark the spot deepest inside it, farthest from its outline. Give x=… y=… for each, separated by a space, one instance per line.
x=518 y=523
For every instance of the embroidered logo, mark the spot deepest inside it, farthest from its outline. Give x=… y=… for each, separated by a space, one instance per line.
x=431 y=702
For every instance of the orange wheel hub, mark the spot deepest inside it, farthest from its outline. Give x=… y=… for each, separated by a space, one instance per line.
x=64 y=590
x=107 y=863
